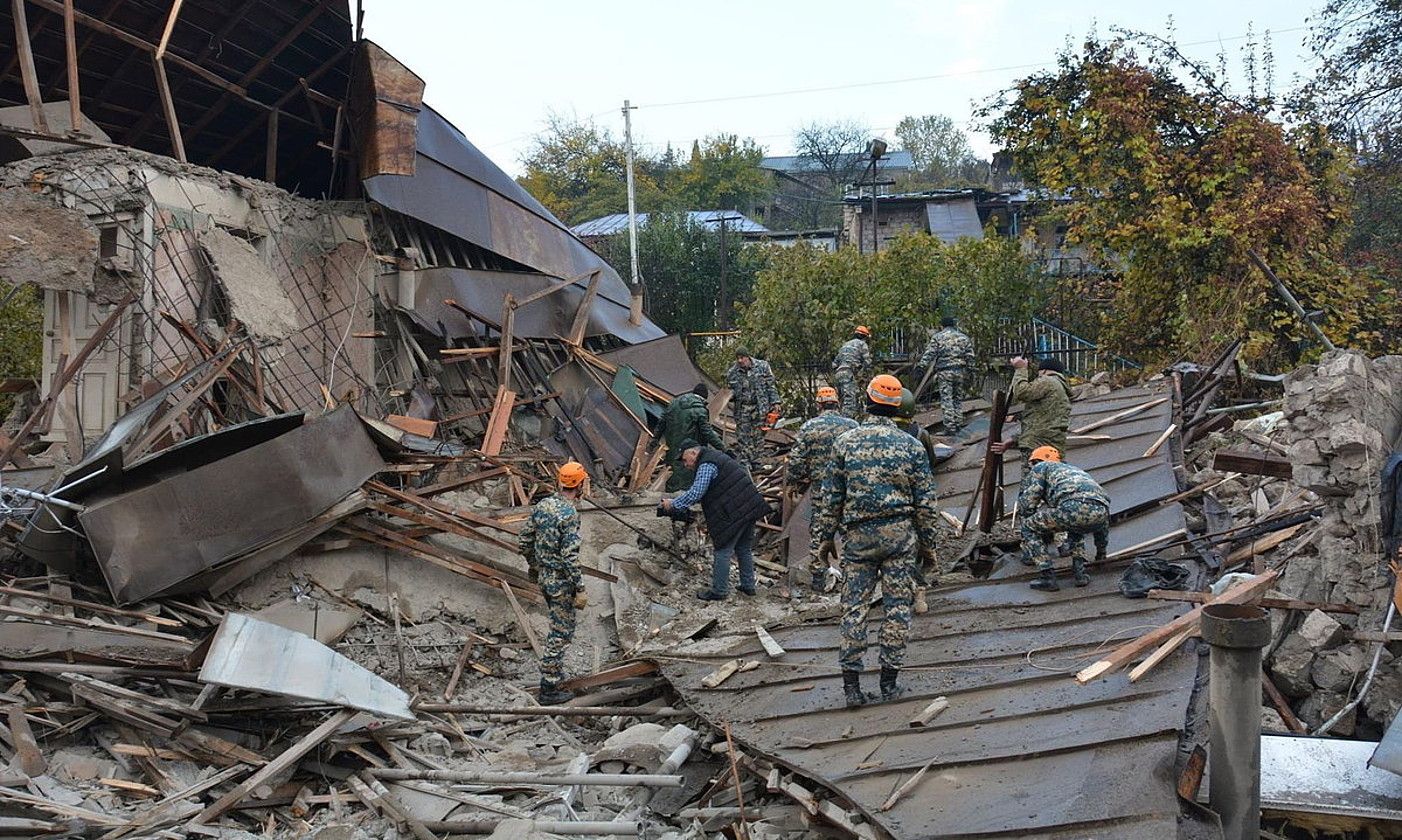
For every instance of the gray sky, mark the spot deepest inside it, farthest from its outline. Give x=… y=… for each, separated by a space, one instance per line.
x=769 y=66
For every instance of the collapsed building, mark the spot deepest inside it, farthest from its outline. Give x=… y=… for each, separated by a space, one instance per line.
x=308 y=356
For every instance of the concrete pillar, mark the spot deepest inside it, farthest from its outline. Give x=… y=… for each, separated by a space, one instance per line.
x=1236 y=634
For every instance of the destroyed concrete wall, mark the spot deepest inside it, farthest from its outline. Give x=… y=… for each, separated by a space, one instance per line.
x=1343 y=418
x=45 y=244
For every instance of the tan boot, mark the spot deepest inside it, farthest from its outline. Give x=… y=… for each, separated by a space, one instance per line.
x=920 y=607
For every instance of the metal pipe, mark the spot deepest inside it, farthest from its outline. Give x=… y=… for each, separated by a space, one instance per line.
x=468 y=777
x=620 y=828
x=1236 y=633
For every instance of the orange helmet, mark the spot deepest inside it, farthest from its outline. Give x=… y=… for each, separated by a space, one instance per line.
x=827 y=394
x=863 y=331
x=571 y=474
x=1045 y=453
x=885 y=389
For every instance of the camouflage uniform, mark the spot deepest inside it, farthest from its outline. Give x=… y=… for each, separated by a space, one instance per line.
x=809 y=461
x=1060 y=497
x=753 y=392
x=881 y=494
x=550 y=542
x=1046 y=413
x=951 y=352
x=850 y=366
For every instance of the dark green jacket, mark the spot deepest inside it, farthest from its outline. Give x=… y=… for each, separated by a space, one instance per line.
x=686 y=417
x=1046 y=409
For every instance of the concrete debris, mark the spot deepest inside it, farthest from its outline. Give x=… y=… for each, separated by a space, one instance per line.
x=1320 y=631
x=43 y=242
x=255 y=295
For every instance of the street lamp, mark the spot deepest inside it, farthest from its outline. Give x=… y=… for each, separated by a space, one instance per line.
x=876 y=148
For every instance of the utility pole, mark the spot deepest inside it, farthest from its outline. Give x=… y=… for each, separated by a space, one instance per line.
x=636 y=310
x=724 y=285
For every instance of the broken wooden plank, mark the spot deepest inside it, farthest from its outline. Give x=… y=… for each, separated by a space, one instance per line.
x=721 y=674
x=930 y=712
x=618 y=673
x=1119 y=415
x=1264 y=544
x=521 y=618
x=276 y=767
x=1160 y=441
x=1282 y=706
x=500 y=421
x=1271 y=603
x=1161 y=653
x=1243 y=593
x=413 y=425
x=27 y=753
x=1252 y=463
x=907 y=787
x=771 y=647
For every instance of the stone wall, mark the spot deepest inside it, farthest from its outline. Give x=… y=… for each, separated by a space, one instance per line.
x=1343 y=419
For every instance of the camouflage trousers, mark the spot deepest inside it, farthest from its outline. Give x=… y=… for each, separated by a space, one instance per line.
x=1076 y=518
x=848 y=392
x=559 y=591
x=950 y=383
x=872 y=553
x=749 y=434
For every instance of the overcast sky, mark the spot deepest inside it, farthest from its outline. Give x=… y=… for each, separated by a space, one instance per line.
x=498 y=69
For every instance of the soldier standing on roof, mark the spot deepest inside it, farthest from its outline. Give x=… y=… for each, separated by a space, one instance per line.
x=809 y=462
x=951 y=354
x=851 y=365
x=880 y=494
x=755 y=404
x=550 y=543
x=1046 y=409
x=1060 y=498
x=687 y=418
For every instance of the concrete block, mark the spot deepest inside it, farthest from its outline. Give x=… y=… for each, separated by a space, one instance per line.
x=1271 y=721
x=1320 y=631
x=639 y=745
x=1290 y=667
x=1323 y=705
x=1335 y=670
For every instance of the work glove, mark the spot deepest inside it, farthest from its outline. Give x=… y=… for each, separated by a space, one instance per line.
x=834 y=574
x=580 y=599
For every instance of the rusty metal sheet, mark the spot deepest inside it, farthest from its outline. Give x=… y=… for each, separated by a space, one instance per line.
x=385 y=101
x=1022 y=750
x=663 y=362
x=482 y=292
x=152 y=538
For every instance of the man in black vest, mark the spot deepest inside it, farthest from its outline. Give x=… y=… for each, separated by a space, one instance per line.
x=732 y=505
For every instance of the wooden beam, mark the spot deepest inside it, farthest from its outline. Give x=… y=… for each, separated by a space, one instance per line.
x=521 y=618
x=26 y=66
x=70 y=41
x=170 y=27
x=177 y=142
x=500 y=421
x=581 y=315
x=610 y=675
x=1251 y=463
x=1118 y=416
x=552 y=289
x=508 y=328
x=270 y=154
x=1269 y=603
x=286 y=761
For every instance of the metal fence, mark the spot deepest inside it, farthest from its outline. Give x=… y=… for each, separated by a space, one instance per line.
x=1082 y=358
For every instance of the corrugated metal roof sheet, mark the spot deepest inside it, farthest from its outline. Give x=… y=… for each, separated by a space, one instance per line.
x=1022 y=749
x=954 y=220
x=709 y=219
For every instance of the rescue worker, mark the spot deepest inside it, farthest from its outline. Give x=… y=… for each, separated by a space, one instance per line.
x=809 y=460
x=852 y=365
x=951 y=354
x=754 y=402
x=914 y=429
x=550 y=542
x=732 y=505
x=687 y=418
x=880 y=494
x=1046 y=409
x=1061 y=498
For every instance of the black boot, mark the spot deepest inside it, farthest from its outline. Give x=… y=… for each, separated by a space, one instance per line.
x=1078 y=568
x=889 y=690
x=551 y=694
x=852 y=689
x=1046 y=581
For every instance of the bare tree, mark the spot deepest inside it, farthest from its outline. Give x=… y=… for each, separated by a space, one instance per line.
x=836 y=149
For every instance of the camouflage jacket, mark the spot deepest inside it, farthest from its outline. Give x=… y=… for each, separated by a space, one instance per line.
x=754 y=387
x=1052 y=483
x=686 y=417
x=1046 y=409
x=878 y=472
x=550 y=538
x=947 y=349
x=855 y=357
x=812 y=446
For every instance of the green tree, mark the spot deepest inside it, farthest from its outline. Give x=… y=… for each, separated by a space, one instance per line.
x=21 y=337
x=723 y=174
x=942 y=155
x=579 y=172
x=1178 y=180
x=681 y=266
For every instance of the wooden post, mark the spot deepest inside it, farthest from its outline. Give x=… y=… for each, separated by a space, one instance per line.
x=26 y=67
x=170 y=27
x=508 y=324
x=991 y=462
x=70 y=39
x=270 y=172
x=581 y=315
x=177 y=143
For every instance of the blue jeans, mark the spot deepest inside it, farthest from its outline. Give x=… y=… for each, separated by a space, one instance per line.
x=738 y=547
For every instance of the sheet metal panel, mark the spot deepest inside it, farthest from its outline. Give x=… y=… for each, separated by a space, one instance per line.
x=951 y=221
x=151 y=538
x=1326 y=776
x=663 y=362
x=1022 y=750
